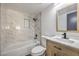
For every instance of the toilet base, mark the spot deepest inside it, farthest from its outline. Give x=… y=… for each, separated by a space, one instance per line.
x=42 y=54
x=28 y=55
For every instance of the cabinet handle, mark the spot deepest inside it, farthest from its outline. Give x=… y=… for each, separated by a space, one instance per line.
x=54 y=54
x=58 y=48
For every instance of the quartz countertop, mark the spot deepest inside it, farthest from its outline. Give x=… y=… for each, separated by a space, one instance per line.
x=75 y=44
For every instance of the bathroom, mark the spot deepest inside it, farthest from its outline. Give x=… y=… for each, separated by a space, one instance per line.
x=26 y=26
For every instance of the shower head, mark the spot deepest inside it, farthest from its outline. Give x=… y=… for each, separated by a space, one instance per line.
x=35 y=19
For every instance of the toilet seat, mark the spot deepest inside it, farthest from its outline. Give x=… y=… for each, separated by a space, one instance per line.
x=38 y=50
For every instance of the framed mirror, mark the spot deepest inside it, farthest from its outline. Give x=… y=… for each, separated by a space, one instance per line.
x=67 y=19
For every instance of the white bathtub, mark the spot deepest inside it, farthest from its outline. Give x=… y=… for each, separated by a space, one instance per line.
x=20 y=49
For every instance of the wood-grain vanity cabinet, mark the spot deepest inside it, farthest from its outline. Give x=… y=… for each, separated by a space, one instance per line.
x=57 y=49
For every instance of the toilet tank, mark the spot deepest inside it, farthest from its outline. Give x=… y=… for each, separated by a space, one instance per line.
x=36 y=42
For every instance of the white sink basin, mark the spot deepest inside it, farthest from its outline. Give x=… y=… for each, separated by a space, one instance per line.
x=69 y=42
x=65 y=40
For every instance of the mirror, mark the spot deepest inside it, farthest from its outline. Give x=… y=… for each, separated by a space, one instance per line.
x=72 y=21
x=67 y=19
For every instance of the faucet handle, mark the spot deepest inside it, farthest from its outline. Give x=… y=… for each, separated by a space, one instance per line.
x=64 y=34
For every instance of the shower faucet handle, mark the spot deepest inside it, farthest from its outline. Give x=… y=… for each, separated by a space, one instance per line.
x=35 y=36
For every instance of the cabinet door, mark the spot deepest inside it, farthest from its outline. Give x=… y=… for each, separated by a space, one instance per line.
x=48 y=50
x=53 y=52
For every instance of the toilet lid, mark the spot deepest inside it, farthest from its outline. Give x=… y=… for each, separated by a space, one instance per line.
x=38 y=49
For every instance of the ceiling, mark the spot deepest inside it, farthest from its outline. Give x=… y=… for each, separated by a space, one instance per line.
x=28 y=8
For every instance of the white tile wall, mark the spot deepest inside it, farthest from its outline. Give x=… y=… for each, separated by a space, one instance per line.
x=15 y=39
x=38 y=27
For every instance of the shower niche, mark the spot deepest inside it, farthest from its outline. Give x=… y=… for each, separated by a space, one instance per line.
x=67 y=18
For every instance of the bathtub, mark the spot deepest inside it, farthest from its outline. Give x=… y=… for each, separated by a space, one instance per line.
x=20 y=49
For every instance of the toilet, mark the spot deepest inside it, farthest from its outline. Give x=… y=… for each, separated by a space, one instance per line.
x=38 y=51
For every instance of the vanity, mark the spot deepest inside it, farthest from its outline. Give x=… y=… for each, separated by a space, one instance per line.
x=58 y=49
x=61 y=47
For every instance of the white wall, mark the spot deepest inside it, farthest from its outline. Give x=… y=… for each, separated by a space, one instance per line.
x=48 y=22
x=0 y=29
x=15 y=39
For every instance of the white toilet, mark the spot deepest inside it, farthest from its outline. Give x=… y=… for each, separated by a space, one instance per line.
x=38 y=51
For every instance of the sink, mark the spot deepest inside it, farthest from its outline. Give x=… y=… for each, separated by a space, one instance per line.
x=65 y=40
